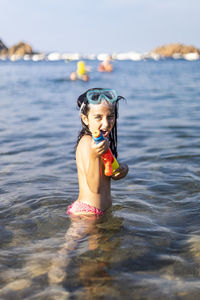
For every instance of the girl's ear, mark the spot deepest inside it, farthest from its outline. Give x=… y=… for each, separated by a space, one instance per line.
x=84 y=119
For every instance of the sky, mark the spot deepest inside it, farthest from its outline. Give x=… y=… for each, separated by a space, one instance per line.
x=99 y=26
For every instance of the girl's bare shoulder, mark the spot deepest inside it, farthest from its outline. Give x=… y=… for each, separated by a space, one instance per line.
x=84 y=144
x=85 y=141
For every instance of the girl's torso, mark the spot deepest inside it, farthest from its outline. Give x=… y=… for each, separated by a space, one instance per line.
x=102 y=199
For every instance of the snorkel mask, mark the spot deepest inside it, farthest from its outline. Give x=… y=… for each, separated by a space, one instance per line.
x=95 y=96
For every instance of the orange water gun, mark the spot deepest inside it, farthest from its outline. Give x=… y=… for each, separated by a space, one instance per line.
x=110 y=162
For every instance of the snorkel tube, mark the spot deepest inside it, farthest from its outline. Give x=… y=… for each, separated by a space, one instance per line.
x=110 y=162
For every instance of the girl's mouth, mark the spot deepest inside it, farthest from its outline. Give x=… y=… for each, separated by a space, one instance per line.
x=105 y=133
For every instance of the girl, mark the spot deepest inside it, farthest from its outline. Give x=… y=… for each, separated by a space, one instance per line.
x=99 y=111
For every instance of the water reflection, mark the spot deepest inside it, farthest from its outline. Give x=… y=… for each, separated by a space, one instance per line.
x=82 y=265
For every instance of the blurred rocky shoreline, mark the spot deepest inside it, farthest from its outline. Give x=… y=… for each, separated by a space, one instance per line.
x=24 y=51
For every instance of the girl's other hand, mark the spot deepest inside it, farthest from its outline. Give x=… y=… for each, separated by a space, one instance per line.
x=121 y=172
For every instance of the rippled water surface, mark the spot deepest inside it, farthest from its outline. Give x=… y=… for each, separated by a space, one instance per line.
x=148 y=245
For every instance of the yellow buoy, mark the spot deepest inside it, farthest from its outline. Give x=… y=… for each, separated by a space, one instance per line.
x=81 y=68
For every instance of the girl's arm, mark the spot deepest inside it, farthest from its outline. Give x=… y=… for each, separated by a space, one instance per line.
x=91 y=161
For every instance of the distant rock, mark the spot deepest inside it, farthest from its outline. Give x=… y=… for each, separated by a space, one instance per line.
x=20 y=49
x=172 y=50
x=3 y=48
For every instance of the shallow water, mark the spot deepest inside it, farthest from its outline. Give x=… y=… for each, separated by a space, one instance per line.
x=148 y=245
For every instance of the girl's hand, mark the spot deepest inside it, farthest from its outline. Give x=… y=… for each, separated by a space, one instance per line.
x=121 y=172
x=98 y=149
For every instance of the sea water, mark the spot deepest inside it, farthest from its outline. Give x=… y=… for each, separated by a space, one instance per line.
x=148 y=245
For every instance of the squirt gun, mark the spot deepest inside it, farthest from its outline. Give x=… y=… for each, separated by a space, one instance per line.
x=110 y=162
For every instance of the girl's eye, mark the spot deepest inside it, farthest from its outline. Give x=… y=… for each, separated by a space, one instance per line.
x=111 y=117
x=97 y=117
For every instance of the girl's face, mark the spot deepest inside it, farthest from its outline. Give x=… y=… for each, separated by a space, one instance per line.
x=100 y=116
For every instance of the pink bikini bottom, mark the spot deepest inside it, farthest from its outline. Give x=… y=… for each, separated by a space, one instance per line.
x=80 y=207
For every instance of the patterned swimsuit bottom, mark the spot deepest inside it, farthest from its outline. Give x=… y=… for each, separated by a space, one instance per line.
x=83 y=208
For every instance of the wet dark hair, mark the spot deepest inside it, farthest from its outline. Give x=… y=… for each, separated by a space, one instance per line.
x=83 y=105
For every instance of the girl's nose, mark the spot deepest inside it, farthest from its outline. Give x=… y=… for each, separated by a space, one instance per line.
x=105 y=123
